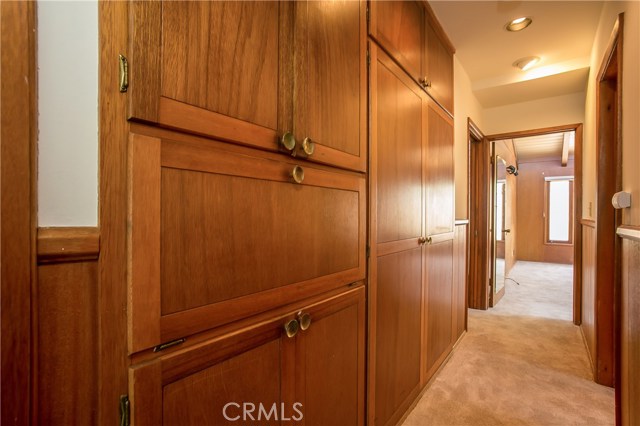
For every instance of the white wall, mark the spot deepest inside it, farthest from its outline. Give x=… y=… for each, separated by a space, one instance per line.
x=67 y=113
x=630 y=107
x=538 y=114
x=465 y=105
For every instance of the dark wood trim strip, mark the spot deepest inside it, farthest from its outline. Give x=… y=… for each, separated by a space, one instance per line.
x=18 y=185
x=588 y=222
x=629 y=232
x=535 y=132
x=58 y=245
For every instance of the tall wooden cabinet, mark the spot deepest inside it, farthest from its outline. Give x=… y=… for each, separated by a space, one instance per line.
x=416 y=309
x=247 y=212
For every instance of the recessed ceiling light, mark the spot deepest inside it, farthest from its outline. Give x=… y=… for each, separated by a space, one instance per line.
x=526 y=63
x=518 y=24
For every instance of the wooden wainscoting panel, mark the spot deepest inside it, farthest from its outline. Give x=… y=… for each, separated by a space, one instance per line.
x=67 y=342
x=629 y=332
x=588 y=286
x=71 y=244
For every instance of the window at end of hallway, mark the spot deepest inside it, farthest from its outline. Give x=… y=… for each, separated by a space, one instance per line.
x=559 y=210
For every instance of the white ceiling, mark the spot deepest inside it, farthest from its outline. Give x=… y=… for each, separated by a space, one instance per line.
x=561 y=34
x=543 y=147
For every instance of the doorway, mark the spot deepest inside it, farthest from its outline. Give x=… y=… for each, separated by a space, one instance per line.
x=493 y=163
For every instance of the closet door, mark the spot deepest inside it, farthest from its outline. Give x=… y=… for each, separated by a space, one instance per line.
x=396 y=229
x=330 y=82
x=439 y=172
x=216 y=68
x=438 y=65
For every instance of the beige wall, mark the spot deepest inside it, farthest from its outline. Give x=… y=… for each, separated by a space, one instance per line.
x=538 y=114
x=630 y=107
x=465 y=105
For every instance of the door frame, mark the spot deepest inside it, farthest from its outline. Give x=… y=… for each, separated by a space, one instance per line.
x=481 y=198
x=18 y=186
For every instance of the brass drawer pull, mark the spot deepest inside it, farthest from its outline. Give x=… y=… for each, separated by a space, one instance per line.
x=297 y=174
x=304 y=320
x=291 y=328
x=422 y=241
x=288 y=141
x=308 y=146
x=425 y=82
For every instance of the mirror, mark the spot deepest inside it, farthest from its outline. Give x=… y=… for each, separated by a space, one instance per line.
x=500 y=226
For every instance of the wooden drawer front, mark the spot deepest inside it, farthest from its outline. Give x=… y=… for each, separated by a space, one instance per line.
x=212 y=68
x=234 y=235
x=321 y=368
x=398 y=27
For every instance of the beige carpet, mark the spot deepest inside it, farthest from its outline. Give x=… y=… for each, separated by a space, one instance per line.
x=521 y=363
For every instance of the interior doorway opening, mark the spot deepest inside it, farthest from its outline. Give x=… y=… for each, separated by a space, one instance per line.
x=525 y=195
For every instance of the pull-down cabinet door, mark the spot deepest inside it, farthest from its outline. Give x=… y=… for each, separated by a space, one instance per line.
x=248 y=72
x=298 y=365
x=216 y=236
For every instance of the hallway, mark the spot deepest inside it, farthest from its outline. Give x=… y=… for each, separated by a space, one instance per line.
x=522 y=362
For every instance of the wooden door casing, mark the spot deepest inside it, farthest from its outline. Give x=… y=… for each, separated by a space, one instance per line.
x=248 y=72
x=197 y=260
x=259 y=364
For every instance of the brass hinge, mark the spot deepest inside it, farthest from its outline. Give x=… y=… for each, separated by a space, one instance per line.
x=167 y=345
x=124 y=410
x=124 y=73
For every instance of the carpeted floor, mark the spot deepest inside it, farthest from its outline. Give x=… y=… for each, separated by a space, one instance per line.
x=520 y=363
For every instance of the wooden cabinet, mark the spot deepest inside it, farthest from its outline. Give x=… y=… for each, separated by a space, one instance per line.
x=410 y=32
x=413 y=302
x=260 y=375
x=218 y=235
x=249 y=72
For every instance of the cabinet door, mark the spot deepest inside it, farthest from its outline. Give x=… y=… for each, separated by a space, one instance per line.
x=439 y=183
x=398 y=26
x=438 y=66
x=330 y=359
x=217 y=235
x=210 y=383
x=259 y=374
x=330 y=81
x=214 y=68
x=438 y=306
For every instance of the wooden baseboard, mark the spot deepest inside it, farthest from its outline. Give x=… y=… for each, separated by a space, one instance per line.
x=72 y=244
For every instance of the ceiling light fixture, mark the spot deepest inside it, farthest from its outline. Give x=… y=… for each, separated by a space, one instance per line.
x=526 y=63
x=518 y=24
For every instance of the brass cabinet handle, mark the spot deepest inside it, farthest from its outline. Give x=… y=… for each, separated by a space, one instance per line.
x=304 y=320
x=429 y=240
x=422 y=241
x=297 y=174
x=308 y=146
x=288 y=141
x=506 y=231
x=425 y=81
x=291 y=328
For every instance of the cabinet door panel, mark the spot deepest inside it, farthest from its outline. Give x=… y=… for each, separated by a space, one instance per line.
x=398 y=26
x=332 y=361
x=398 y=152
x=439 y=183
x=213 y=68
x=234 y=236
x=438 y=304
x=330 y=83
x=398 y=316
x=439 y=68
